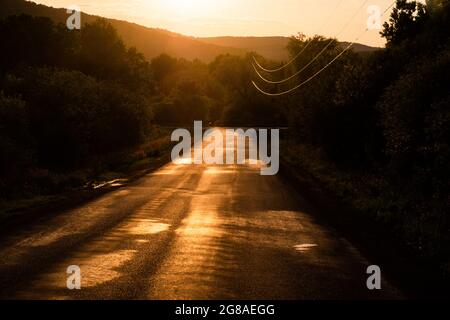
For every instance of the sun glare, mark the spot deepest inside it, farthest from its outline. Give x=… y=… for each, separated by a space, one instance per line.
x=189 y=8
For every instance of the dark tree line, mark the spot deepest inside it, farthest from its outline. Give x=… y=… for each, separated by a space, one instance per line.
x=70 y=98
x=66 y=97
x=387 y=114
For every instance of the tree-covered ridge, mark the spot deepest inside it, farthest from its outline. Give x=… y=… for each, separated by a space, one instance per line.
x=83 y=94
x=152 y=42
x=382 y=122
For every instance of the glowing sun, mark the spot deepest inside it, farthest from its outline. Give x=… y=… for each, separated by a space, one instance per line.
x=189 y=8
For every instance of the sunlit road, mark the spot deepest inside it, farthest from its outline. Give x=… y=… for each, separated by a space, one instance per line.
x=188 y=232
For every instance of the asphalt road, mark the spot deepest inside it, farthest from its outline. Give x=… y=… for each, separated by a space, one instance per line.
x=188 y=232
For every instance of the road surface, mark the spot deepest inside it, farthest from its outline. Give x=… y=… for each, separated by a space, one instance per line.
x=188 y=232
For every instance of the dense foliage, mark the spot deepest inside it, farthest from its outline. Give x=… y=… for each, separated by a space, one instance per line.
x=66 y=98
x=382 y=119
x=69 y=98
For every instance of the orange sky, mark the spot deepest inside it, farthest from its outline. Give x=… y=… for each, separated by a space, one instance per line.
x=239 y=17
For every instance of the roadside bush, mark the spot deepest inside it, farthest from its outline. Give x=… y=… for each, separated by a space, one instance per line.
x=63 y=120
x=16 y=144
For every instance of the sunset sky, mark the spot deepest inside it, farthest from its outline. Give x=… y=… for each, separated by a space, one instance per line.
x=239 y=17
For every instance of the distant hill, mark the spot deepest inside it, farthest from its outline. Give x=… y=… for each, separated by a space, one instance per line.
x=358 y=47
x=152 y=41
x=273 y=48
x=149 y=41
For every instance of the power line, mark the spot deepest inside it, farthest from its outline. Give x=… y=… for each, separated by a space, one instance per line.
x=298 y=72
x=322 y=69
x=307 y=80
x=317 y=56
x=304 y=47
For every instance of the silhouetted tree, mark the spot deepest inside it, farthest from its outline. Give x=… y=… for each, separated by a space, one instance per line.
x=405 y=22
